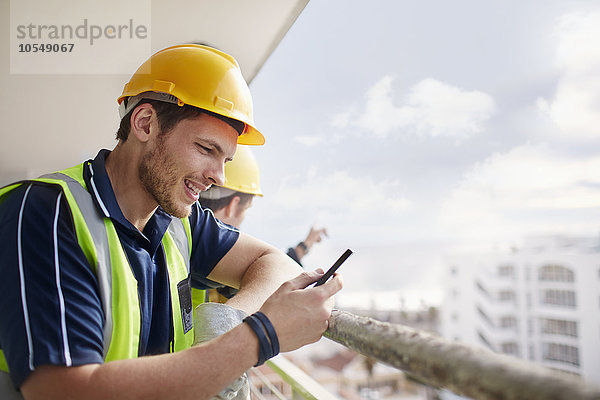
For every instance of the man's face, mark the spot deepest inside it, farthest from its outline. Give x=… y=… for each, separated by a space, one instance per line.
x=179 y=164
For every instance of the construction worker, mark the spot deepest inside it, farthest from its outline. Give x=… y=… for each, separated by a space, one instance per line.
x=97 y=260
x=231 y=201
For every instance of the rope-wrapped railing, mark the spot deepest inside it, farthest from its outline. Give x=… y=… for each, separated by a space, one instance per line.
x=463 y=369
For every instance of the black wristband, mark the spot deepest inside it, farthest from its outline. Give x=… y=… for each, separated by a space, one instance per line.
x=264 y=347
x=302 y=245
x=270 y=331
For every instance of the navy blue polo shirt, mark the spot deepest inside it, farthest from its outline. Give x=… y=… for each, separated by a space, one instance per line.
x=50 y=309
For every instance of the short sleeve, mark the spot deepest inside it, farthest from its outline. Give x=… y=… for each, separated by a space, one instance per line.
x=50 y=311
x=211 y=240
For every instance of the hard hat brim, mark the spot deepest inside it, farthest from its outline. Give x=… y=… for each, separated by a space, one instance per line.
x=251 y=136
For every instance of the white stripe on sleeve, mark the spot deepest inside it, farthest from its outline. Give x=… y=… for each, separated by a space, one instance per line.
x=22 y=278
x=61 y=299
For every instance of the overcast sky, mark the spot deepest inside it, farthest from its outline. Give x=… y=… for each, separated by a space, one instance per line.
x=410 y=128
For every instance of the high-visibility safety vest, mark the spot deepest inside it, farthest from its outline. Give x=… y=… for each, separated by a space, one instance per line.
x=100 y=243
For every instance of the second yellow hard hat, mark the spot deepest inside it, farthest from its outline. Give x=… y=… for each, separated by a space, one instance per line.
x=242 y=173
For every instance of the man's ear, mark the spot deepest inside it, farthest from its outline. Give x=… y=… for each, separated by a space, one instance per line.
x=232 y=207
x=143 y=122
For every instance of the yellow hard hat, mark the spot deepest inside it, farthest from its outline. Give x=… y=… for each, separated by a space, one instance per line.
x=242 y=173
x=199 y=76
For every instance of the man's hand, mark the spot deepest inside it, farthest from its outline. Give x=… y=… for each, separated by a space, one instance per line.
x=299 y=314
x=314 y=236
x=256 y=268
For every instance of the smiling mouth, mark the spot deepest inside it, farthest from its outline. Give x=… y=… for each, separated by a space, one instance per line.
x=195 y=190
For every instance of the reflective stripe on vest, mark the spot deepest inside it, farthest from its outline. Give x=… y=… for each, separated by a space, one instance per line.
x=99 y=241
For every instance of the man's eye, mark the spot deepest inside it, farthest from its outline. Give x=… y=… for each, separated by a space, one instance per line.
x=203 y=148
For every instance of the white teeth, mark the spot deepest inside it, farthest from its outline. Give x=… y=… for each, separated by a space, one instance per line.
x=193 y=188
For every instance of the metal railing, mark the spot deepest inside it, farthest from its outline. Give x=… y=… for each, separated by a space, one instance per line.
x=301 y=385
x=465 y=370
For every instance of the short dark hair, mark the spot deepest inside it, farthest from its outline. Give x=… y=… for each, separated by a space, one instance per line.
x=169 y=115
x=217 y=204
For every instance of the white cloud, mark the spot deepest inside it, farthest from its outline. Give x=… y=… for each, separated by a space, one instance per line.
x=540 y=189
x=342 y=119
x=340 y=193
x=309 y=141
x=574 y=108
x=431 y=108
x=528 y=190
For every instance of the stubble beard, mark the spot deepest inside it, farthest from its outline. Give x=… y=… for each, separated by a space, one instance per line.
x=158 y=176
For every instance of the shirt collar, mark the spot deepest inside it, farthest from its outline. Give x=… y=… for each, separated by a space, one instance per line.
x=100 y=187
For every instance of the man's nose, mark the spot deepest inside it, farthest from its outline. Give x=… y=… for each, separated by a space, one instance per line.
x=216 y=175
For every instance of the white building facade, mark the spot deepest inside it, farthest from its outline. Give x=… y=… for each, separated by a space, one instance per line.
x=540 y=302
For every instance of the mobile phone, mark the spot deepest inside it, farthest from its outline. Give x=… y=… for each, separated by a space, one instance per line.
x=334 y=267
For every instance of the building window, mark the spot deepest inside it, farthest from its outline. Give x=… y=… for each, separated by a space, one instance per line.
x=559 y=327
x=507 y=296
x=564 y=298
x=506 y=271
x=511 y=348
x=508 y=322
x=560 y=352
x=556 y=273
x=531 y=352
